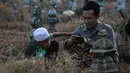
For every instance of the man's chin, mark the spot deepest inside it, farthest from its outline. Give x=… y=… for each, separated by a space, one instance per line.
x=88 y=26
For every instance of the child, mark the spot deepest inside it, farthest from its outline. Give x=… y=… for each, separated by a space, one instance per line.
x=42 y=45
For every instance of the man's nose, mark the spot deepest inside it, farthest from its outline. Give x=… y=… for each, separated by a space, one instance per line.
x=87 y=21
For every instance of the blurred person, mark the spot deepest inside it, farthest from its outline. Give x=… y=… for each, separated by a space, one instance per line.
x=88 y=32
x=42 y=46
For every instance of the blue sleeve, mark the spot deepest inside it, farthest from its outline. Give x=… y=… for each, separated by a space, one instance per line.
x=77 y=31
x=111 y=36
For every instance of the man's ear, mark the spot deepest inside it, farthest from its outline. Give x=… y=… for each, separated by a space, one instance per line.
x=38 y=43
x=98 y=16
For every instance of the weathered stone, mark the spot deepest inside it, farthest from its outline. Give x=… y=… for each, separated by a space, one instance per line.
x=103 y=49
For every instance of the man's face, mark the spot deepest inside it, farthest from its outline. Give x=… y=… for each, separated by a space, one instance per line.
x=44 y=44
x=89 y=18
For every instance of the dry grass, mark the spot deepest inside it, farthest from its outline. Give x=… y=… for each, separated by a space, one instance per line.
x=72 y=25
x=63 y=64
x=4 y=13
x=14 y=36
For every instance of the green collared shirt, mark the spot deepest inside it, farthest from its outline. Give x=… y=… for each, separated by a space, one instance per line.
x=41 y=52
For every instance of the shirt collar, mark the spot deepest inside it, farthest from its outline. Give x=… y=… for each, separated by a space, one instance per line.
x=98 y=28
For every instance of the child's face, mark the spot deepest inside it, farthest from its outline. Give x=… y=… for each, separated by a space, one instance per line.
x=44 y=44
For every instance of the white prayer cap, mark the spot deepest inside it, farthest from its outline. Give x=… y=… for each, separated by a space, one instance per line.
x=40 y=34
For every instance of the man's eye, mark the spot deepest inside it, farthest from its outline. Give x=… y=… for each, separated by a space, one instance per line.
x=84 y=17
x=87 y=18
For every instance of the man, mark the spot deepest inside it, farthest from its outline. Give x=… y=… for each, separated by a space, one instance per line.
x=42 y=46
x=89 y=30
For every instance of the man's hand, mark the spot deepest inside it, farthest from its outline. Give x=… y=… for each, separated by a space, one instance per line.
x=88 y=41
x=77 y=39
x=82 y=39
x=73 y=40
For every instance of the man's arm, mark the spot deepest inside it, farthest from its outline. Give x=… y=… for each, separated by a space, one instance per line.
x=58 y=34
x=74 y=39
x=111 y=36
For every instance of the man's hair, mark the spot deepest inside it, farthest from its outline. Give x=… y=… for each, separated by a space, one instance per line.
x=92 y=5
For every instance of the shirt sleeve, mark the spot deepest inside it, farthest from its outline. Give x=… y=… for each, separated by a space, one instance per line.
x=50 y=36
x=111 y=36
x=77 y=31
